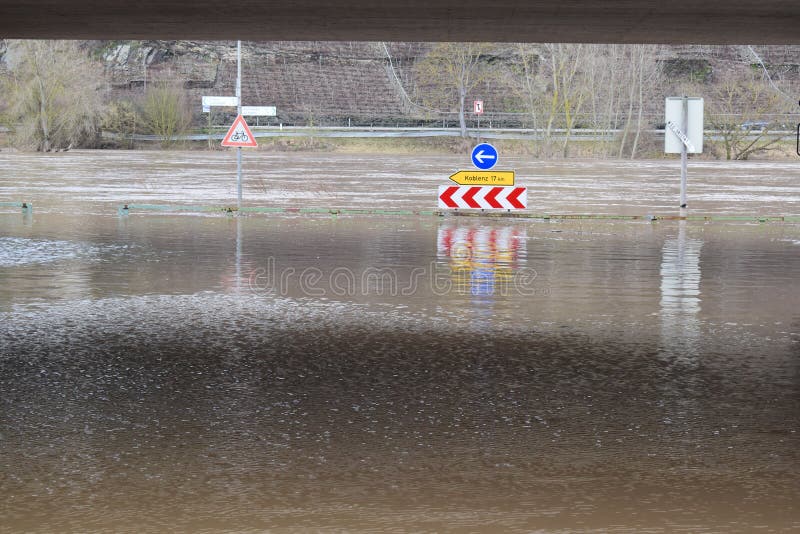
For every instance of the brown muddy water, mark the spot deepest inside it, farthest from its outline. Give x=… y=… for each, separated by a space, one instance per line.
x=163 y=372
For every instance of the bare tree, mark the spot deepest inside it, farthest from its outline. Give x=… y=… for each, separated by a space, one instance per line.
x=528 y=83
x=451 y=71
x=567 y=90
x=741 y=107
x=53 y=93
x=604 y=76
x=641 y=76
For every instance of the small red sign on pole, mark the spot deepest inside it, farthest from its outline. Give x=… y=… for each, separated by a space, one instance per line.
x=239 y=135
x=478 y=107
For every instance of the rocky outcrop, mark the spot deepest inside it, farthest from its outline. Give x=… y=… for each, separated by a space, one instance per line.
x=368 y=82
x=306 y=81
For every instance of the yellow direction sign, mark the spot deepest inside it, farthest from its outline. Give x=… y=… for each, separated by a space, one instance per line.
x=483 y=177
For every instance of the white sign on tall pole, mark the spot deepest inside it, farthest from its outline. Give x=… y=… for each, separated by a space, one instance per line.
x=683 y=133
x=242 y=136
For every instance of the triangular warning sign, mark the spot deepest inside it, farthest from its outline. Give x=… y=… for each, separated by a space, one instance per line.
x=239 y=134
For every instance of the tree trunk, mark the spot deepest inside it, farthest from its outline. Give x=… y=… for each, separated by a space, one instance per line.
x=461 y=119
x=640 y=81
x=627 y=121
x=44 y=146
x=568 y=127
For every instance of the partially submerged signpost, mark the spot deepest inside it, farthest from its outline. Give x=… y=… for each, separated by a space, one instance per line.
x=483 y=189
x=239 y=134
x=239 y=114
x=683 y=133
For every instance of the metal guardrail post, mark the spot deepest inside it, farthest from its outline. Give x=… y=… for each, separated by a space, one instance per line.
x=27 y=207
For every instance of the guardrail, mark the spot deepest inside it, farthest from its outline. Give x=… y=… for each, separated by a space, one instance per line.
x=232 y=210
x=485 y=133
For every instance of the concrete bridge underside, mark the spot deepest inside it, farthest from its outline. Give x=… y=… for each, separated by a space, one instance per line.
x=606 y=21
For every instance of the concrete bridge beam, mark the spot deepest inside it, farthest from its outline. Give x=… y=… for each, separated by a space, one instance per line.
x=606 y=21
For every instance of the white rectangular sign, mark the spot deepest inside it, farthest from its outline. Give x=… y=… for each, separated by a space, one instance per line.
x=229 y=101
x=693 y=132
x=259 y=111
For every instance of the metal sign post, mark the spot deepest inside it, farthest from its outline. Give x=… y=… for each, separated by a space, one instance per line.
x=239 y=135
x=684 y=153
x=483 y=189
x=798 y=136
x=683 y=133
x=477 y=107
x=238 y=112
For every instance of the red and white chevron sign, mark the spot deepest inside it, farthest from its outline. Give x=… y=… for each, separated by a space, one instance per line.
x=483 y=197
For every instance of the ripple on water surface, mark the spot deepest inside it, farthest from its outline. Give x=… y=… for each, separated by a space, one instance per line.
x=254 y=412
x=18 y=251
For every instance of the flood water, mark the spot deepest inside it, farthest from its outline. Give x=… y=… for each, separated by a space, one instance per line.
x=174 y=372
x=91 y=180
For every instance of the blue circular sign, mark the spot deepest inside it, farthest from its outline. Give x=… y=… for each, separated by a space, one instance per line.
x=484 y=156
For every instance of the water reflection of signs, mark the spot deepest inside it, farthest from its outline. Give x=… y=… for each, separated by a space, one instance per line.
x=680 y=297
x=482 y=259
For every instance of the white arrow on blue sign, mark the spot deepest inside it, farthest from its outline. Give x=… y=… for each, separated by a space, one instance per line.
x=484 y=156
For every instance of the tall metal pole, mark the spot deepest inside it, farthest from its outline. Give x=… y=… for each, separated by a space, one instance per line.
x=239 y=112
x=798 y=135
x=684 y=156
